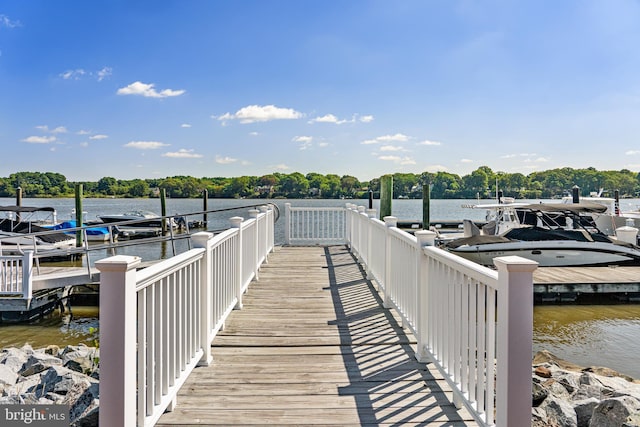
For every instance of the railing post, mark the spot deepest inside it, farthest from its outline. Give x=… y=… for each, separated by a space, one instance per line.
x=201 y=240
x=27 y=275
x=236 y=222
x=118 y=320
x=287 y=223
x=515 y=336
x=371 y=213
x=389 y=222
x=423 y=238
x=265 y=210
x=349 y=224
x=253 y=213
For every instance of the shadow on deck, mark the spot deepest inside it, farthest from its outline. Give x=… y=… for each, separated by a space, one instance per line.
x=314 y=346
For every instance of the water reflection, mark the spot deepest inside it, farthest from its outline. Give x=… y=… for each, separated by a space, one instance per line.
x=603 y=335
x=56 y=328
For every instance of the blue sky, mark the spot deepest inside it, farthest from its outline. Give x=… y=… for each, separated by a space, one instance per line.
x=150 y=89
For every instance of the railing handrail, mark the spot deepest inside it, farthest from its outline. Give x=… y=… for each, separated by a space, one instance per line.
x=157 y=324
x=474 y=323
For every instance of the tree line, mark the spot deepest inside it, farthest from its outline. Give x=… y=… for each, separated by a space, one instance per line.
x=481 y=183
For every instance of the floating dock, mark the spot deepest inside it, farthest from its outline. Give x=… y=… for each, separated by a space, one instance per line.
x=589 y=284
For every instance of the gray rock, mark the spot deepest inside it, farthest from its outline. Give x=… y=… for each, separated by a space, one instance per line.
x=539 y=394
x=37 y=363
x=14 y=358
x=584 y=410
x=85 y=407
x=60 y=379
x=7 y=375
x=24 y=385
x=559 y=412
x=615 y=412
x=539 y=418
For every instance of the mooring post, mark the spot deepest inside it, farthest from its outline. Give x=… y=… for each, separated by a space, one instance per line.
x=575 y=192
x=79 y=237
x=205 y=208
x=163 y=209
x=370 y=199
x=386 y=195
x=18 y=202
x=426 y=206
x=616 y=196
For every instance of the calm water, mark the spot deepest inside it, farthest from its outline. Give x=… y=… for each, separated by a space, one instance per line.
x=584 y=334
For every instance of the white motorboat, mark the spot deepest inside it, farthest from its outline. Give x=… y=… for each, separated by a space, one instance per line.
x=550 y=234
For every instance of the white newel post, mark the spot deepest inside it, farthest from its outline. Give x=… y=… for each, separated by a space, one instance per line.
x=423 y=238
x=118 y=309
x=287 y=223
x=515 y=336
x=201 y=240
x=360 y=236
x=349 y=224
x=253 y=213
x=389 y=222
x=265 y=209
x=371 y=213
x=236 y=222
x=27 y=275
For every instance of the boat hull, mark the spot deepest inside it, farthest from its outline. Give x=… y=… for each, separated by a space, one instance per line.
x=553 y=253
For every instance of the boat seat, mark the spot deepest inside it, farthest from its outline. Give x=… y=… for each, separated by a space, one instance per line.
x=470 y=229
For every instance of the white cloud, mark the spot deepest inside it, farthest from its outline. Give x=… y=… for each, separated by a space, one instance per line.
x=39 y=139
x=183 y=154
x=253 y=134
x=148 y=90
x=391 y=148
x=145 y=145
x=84 y=144
x=104 y=73
x=225 y=160
x=398 y=137
x=185 y=125
x=398 y=160
x=541 y=160
x=436 y=168
x=281 y=167
x=305 y=141
x=83 y=132
x=428 y=142
x=366 y=119
x=45 y=128
x=76 y=74
x=8 y=23
x=323 y=144
x=96 y=137
x=466 y=161
x=632 y=152
x=259 y=113
x=511 y=156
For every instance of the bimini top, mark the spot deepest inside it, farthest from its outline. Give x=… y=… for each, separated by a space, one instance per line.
x=576 y=208
x=20 y=209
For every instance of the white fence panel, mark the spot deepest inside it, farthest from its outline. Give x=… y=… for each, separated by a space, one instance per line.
x=315 y=226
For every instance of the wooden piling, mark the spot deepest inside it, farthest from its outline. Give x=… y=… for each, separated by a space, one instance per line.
x=205 y=201
x=78 y=196
x=163 y=209
x=426 y=205
x=386 y=195
x=18 y=202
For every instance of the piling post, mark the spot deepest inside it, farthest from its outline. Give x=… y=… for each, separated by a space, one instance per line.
x=18 y=202
x=205 y=207
x=426 y=206
x=616 y=196
x=78 y=195
x=386 y=195
x=163 y=209
x=575 y=193
x=370 y=199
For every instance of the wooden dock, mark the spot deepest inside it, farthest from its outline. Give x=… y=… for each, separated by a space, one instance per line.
x=314 y=346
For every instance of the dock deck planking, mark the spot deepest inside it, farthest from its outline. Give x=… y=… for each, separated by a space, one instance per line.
x=313 y=346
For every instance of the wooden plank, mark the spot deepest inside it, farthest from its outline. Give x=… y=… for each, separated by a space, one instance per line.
x=313 y=346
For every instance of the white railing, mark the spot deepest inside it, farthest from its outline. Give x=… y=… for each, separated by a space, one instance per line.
x=313 y=226
x=15 y=275
x=157 y=324
x=473 y=323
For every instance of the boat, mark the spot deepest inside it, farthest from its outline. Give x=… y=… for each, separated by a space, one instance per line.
x=93 y=234
x=552 y=234
x=136 y=218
